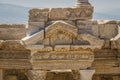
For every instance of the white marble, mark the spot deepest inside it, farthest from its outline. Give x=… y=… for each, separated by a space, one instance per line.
x=86 y=74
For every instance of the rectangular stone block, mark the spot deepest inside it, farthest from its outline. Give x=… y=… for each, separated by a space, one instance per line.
x=71 y=13
x=95 y=29
x=108 y=31
x=37 y=15
x=84 y=24
x=12 y=32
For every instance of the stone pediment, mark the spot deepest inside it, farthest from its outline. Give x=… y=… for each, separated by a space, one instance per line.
x=63 y=27
x=57 y=31
x=62 y=33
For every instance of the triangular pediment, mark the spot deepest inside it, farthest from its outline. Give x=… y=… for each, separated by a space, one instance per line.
x=61 y=26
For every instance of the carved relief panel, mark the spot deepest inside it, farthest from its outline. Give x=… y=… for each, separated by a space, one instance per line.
x=61 y=39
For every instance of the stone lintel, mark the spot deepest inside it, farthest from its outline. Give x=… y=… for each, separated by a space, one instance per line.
x=61 y=64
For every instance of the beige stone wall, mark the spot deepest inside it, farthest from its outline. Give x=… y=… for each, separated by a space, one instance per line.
x=105 y=29
x=12 y=32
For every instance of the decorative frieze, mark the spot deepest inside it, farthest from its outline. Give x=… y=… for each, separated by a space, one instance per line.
x=68 y=55
x=15 y=64
x=14 y=54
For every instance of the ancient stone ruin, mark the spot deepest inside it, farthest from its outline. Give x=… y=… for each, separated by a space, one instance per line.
x=61 y=44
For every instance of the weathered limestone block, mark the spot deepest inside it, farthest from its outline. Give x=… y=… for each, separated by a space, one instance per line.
x=106 y=66
x=84 y=25
x=12 y=45
x=95 y=28
x=92 y=40
x=34 y=27
x=105 y=53
x=38 y=15
x=10 y=54
x=108 y=29
x=15 y=63
x=71 y=13
x=12 y=32
x=33 y=39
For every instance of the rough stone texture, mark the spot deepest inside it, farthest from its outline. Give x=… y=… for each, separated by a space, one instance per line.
x=38 y=15
x=84 y=25
x=12 y=32
x=71 y=13
x=105 y=29
x=60 y=40
x=35 y=27
x=108 y=30
x=95 y=28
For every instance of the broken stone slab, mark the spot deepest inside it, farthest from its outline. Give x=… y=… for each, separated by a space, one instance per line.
x=108 y=29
